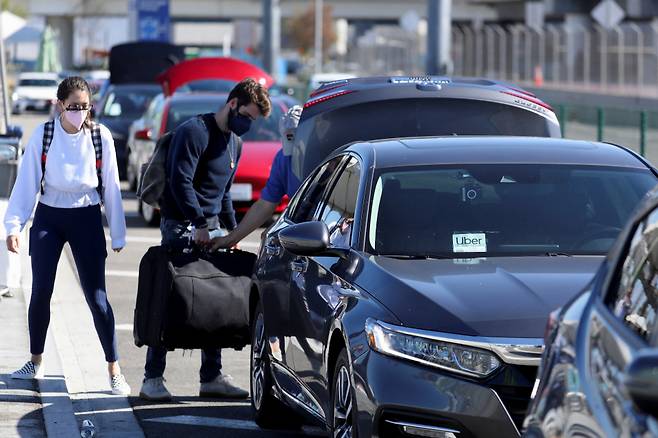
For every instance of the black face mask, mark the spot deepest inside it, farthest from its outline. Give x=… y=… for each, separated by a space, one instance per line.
x=238 y=123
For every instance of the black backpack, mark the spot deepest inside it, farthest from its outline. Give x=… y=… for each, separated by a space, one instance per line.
x=153 y=176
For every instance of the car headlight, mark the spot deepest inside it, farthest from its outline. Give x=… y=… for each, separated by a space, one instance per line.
x=453 y=357
x=14 y=96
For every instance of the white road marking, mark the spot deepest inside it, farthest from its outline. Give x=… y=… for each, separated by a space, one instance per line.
x=156 y=241
x=224 y=423
x=138 y=239
x=124 y=327
x=117 y=273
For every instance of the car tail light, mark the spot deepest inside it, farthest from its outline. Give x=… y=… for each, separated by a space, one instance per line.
x=518 y=90
x=143 y=134
x=529 y=98
x=326 y=98
x=321 y=89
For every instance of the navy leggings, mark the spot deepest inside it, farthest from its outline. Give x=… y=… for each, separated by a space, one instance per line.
x=82 y=228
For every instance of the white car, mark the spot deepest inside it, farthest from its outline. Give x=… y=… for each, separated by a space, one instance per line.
x=34 y=91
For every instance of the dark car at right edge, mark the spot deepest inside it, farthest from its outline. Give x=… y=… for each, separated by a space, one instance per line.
x=405 y=290
x=599 y=373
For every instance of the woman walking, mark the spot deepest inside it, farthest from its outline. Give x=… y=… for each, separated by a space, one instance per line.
x=71 y=163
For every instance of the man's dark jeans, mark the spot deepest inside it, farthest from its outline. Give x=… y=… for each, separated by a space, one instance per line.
x=178 y=236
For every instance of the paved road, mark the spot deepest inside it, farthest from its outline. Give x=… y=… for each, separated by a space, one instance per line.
x=188 y=414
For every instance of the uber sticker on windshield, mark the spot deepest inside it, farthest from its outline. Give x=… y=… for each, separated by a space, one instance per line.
x=469 y=242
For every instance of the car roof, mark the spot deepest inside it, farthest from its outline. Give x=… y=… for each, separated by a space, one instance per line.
x=205 y=96
x=347 y=92
x=134 y=86
x=38 y=75
x=491 y=149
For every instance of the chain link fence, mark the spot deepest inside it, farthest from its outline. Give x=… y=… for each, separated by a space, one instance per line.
x=623 y=60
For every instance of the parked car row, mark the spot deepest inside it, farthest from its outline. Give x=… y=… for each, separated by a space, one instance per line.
x=406 y=290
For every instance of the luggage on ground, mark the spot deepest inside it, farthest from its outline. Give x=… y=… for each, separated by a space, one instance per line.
x=195 y=300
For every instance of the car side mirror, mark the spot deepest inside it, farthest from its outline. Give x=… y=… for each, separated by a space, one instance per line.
x=309 y=239
x=641 y=382
x=143 y=134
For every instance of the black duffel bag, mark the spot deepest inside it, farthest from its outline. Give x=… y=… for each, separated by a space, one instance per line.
x=205 y=302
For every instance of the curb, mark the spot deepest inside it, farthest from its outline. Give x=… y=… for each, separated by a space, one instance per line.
x=57 y=407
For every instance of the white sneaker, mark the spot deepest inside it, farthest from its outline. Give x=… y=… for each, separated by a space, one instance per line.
x=154 y=390
x=222 y=387
x=29 y=371
x=119 y=385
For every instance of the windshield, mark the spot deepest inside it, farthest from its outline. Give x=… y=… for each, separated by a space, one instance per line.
x=261 y=129
x=128 y=103
x=37 y=83
x=502 y=210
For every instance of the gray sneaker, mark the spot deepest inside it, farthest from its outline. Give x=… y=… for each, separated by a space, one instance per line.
x=154 y=390
x=222 y=387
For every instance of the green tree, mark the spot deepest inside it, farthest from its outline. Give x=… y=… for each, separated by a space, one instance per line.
x=13 y=7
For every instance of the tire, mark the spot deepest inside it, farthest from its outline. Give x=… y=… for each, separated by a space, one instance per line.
x=269 y=413
x=150 y=215
x=342 y=415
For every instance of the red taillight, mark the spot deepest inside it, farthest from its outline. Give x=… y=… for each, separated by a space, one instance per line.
x=324 y=90
x=325 y=98
x=518 y=90
x=529 y=98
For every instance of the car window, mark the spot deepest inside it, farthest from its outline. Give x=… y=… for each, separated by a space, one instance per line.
x=128 y=103
x=635 y=301
x=338 y=211
x=37 y=83
x=502 y=209
x=309 y=200
x=262 y=129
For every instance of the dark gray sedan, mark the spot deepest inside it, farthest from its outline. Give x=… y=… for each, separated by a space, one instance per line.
x=406 y=288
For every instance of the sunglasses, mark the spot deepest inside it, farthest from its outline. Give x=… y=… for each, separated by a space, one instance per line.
x=76 y=107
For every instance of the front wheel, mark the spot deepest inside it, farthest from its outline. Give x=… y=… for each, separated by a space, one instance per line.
x=268 y=411
x=343 y=413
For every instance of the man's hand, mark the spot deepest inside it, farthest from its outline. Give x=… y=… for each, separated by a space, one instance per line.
x=201 y=237
x=222 y=242
x=12 y=244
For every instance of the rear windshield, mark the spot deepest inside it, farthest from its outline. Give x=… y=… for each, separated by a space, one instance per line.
x=129 y=103
x=37 y=83
x=261 y=129
x=498 y=209
x=324 y=133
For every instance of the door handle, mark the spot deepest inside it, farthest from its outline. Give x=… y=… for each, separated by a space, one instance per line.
x=299 y=265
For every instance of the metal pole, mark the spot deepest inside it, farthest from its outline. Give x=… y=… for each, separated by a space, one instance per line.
x=319 y=8
x=600 y=117
x=439 y=20
x=271 y=35
x=4 y=120
x=643 y=132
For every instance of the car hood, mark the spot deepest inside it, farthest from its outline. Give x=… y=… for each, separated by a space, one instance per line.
x=496 y=296
x=256 y=160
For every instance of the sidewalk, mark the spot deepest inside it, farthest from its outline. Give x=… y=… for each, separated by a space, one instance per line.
x=76 y=386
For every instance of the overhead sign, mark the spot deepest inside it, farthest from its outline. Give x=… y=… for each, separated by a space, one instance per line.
x=608 y=14
x=152 y=18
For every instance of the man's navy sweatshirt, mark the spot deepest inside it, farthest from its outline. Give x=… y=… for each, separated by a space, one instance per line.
x=199 y=174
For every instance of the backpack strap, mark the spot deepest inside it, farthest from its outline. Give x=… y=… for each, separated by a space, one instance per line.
x=98 y=149
x=48 y=133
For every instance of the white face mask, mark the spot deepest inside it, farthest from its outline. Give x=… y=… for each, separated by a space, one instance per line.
x=76 y=118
